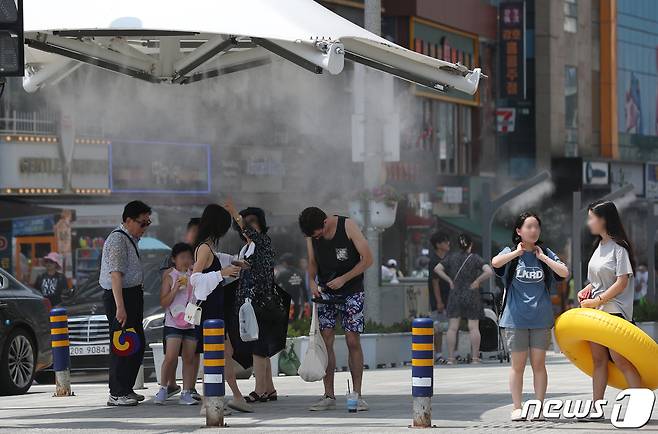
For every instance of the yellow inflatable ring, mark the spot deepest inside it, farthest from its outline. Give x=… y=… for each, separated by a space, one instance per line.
x=575 y=327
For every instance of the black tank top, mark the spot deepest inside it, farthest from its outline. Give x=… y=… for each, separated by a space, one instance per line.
x=336 y=257
x=213 y=306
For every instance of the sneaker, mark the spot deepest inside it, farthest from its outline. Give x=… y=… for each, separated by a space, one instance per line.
x=517 y=415
x=121 y=401
x=172 y=390
x=362 y=405
x=187 y=399
x=326 y=403
x=161 y=396
x=195 y=394
x=136 y=396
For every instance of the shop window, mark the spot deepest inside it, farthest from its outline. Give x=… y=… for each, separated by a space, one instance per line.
x=571 y=16
x=571 y=110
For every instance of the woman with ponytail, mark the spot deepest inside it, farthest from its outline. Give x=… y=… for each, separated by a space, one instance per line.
x=464 y=271
x=528 y=272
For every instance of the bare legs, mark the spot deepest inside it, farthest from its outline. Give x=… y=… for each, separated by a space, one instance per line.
x=539 y=374
x=229 y=372
x=168 y=370
x=516 y=376
x=355 y=360
x=189 y=365
x=263 y=374
x=600 y=360
x=329 y=336
x=474 y=332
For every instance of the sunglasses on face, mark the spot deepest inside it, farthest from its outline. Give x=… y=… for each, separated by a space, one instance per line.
x=144 y=224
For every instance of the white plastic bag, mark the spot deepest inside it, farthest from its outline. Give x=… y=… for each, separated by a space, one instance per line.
x=248 y=323
x=314 y=365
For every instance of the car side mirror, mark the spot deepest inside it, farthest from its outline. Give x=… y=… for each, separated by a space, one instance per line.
x=4 y=282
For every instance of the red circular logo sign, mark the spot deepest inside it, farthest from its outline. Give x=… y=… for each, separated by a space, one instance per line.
x=3 y=243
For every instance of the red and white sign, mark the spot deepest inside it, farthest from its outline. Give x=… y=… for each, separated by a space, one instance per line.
x=3 y=243
x=505 y=119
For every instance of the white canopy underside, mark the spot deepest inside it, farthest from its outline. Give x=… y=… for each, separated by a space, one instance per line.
x=168 y=41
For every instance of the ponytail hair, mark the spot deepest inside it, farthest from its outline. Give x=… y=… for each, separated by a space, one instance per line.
x=465 y=242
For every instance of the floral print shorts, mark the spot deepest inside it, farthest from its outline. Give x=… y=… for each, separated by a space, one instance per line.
x=351 y=311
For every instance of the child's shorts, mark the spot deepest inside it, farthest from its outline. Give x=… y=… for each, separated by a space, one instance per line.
x=519 y=340
x=186 y=334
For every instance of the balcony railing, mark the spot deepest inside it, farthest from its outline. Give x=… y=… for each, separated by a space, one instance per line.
x=16 y=122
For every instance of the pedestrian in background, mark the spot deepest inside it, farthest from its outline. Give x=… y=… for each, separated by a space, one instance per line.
x=291 y=280
x=52 y=283
x=439 y=291
x=464 y=271
x=122 y=277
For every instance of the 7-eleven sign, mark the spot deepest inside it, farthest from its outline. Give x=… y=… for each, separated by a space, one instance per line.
x=505 y=118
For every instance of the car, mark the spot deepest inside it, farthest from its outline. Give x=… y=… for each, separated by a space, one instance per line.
x=24 y=335
x=88 y=325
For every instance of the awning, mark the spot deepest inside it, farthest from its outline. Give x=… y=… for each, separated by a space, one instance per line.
x=163 y=41
x=500 y=236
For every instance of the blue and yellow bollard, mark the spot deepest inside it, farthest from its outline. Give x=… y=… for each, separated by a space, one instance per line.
x=422 y=371
x=59 y=337
x=213 y=371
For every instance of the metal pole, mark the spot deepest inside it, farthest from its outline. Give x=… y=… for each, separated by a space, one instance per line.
x=576 y=241
x=652 y=226
x=59 y=337
x=422 y=371
x=213 y=371
x=487 y=218
x=372 y=158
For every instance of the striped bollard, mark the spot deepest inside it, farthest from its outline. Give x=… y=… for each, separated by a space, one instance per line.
x=422 y=371
x=213 y=371
x=59 y=337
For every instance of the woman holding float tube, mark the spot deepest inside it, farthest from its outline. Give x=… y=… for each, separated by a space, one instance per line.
x=610 y=272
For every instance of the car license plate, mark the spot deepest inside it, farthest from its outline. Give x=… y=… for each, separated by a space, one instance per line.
x=89 y=350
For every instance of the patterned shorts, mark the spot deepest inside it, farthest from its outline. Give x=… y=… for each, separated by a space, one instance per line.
x=351 y=312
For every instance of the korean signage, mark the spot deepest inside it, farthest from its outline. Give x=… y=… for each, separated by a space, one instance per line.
x=651 y=180
x=447 y=44
x=31 y=165
x=36 y=225
x=159 y=167
x=512 y=49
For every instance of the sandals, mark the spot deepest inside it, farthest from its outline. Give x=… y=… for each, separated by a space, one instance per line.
x=254 y=397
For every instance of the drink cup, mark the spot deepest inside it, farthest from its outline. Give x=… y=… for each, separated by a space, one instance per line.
x=352 y=402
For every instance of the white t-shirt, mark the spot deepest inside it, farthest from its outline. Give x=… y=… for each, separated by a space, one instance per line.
x=609 y=261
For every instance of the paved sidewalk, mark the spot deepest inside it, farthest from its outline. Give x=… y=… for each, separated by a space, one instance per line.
x=467 y=398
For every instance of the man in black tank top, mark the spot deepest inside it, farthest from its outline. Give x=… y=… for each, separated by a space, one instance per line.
x=338 y=255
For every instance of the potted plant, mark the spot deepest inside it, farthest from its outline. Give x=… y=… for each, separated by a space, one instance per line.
x=645 y=314
x=382 y=203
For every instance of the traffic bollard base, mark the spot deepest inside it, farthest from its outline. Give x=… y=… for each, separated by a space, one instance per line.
x=63 y=383
x=422 y=412
x=214 y=411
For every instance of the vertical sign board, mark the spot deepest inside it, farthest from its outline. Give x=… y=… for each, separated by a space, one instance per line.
x=651 y=180
x=5 y=250
x=512 y=49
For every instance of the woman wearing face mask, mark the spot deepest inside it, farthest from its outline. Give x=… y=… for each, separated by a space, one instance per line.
x=257 y=284
x=528 y=272
x=610 y=272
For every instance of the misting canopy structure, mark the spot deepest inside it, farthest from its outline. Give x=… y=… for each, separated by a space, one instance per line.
x=165 y=41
